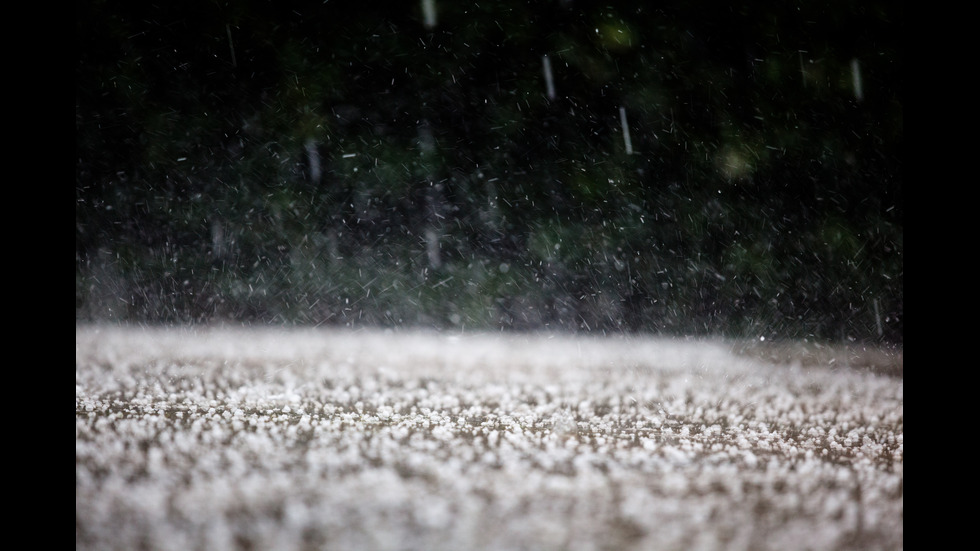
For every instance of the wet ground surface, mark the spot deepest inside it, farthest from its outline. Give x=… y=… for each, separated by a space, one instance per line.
x=230 y=438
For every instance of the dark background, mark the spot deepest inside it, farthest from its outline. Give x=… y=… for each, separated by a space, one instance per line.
x=346 y=163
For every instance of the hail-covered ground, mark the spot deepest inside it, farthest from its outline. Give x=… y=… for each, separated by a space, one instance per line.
x=238 y=438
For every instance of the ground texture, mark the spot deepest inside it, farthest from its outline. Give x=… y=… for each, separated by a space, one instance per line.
x=232 y=438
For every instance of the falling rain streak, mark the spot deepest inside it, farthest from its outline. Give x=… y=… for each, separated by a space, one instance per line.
x=878 y=319
x=803 y=74
x=313 y=157
x=626 y=131
x=231 y=46
x=856 y=78
x=549 y=80
x=429 y=13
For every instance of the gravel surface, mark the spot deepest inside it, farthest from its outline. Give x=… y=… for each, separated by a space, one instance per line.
x=237 y=438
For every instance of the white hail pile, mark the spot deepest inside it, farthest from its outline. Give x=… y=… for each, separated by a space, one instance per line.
x=229 y=438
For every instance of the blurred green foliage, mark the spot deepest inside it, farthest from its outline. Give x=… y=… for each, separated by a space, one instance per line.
x=341 y=163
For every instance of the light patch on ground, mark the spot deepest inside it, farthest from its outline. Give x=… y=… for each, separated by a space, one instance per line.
x=229 y=438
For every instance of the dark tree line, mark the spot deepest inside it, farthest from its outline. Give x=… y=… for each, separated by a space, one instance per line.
x=346 y=163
